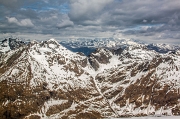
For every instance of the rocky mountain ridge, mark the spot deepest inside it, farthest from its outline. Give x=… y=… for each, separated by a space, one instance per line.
x=46 y=80
x=10 y=44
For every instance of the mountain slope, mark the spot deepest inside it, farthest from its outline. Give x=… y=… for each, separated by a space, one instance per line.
x=46 y=80
x=143 y=82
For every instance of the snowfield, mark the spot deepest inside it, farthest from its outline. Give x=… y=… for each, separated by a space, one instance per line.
x=152 y=117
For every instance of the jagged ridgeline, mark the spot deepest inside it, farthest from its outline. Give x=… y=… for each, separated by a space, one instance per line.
x=46 y=80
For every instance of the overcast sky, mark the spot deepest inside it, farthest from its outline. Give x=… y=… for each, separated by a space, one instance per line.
x=147 y=20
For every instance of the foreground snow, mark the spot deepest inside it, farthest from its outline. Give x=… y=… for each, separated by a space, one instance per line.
x=152 y=117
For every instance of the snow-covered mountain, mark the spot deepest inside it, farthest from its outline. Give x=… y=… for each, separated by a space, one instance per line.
x=87 y=46
x=139 y=81
x=46 y=80
x=100 y=42
x=163 y=48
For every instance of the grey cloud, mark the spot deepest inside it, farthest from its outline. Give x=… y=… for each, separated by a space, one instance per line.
x=159 y=11
x=159 y=16
x=27 y=13
x=65 y=24
x=14 y=4
x=86 y=9
x=11 y=4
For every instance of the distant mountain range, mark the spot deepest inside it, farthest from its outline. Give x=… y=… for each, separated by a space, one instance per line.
x=116 y=78
x=88 y=45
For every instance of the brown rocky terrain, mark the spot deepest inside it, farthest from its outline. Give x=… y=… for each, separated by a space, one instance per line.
x=45 y=80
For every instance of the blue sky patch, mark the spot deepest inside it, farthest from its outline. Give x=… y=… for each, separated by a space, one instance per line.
x=43 y=6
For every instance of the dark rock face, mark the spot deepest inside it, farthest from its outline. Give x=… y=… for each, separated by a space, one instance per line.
x=117 y=51
x=94 y=63
x=101 y=56
x=13 y=43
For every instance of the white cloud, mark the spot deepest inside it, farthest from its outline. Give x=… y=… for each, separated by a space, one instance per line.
x=144 y=20
x=23 y=22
